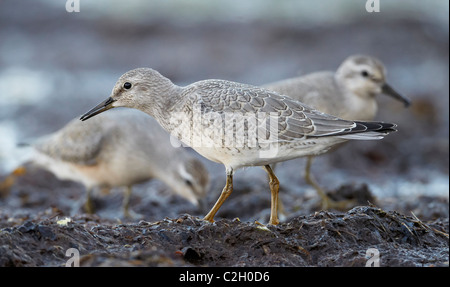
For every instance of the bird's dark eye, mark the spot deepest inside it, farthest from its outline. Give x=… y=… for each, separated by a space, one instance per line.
x=365 y=73
x=127 y=85
x=188 y=182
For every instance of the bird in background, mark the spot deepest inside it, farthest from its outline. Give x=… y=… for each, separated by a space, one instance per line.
x=118 y=149
x=208 y=116
x=349 y=93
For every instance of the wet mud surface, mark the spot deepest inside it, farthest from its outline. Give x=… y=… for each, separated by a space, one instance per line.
x=35 y=236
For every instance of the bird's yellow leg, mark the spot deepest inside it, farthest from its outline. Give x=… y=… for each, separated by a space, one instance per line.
x=9 y=181
x=281 y=211
x=274 y=184
x=226 y=192
x=127 y=211
x=126 y=202
x=89 y=205
x=326 y=201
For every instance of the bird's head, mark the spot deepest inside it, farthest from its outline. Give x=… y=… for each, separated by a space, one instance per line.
x=365 y=76
x=139 y=88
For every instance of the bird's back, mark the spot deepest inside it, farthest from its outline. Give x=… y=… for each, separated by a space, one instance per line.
x=217 y=106
x=118 y=148
x=318 y=90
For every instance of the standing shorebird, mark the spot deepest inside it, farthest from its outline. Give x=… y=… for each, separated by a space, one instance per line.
x=236 y=124
x=120 y=149
x=349 y=93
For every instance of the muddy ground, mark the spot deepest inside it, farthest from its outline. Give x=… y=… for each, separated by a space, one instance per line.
x=54 y=66
x=31 y=235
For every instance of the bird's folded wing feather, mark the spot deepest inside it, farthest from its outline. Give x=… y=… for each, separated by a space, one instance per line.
x=294 y=119
x=75 y=143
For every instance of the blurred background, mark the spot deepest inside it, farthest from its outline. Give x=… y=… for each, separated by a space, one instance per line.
x=56 y=65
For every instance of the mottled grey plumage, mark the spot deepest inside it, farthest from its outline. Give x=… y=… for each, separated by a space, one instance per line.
x=121 y=148
x=349 y=93
x=204 y=115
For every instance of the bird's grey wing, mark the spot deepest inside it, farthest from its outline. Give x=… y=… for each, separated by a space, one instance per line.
x=297 y=120
x=318 y=90
x=78 y=142
x=304 y=84
x=293 y=120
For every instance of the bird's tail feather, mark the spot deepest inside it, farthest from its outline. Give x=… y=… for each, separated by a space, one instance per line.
x=369 y=131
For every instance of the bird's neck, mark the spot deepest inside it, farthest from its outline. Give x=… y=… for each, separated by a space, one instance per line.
x=169 y=96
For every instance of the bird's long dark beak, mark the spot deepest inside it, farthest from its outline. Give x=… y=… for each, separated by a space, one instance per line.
x=103 y=106
x=388 y=90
